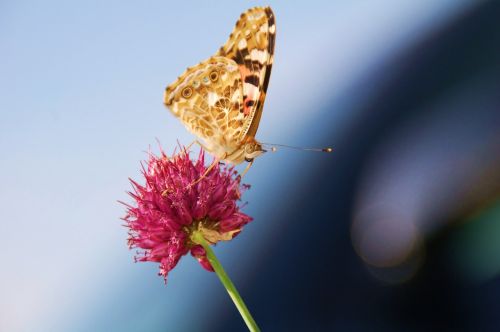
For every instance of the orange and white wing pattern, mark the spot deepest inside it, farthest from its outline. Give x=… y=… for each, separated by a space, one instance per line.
x=208 y=99
x=220 y=100
x=251 y=46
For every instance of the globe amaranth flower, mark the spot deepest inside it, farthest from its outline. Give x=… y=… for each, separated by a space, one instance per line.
x=171 y=205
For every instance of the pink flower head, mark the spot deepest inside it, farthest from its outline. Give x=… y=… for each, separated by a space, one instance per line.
x=169 y=209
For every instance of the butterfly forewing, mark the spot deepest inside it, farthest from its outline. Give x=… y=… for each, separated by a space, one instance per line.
x=251 y=46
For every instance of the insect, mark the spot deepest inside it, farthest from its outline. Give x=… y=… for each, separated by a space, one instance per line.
x=220 y=100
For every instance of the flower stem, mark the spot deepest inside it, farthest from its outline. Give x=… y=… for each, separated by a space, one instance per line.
x=228 y=284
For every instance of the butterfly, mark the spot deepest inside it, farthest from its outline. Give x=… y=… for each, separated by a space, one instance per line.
x=221 y=99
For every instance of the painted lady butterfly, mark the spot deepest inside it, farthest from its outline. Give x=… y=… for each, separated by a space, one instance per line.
x=220 y=100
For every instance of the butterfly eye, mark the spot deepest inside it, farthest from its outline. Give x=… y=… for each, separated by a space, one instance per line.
x=249 y=148
x=214 y=76
x=187 y=92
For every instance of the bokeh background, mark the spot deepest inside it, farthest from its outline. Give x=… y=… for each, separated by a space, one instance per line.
x=397 y=230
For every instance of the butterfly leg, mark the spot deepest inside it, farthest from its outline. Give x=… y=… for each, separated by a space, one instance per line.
x=214 y=163
x=199 y=143
x=246 y=169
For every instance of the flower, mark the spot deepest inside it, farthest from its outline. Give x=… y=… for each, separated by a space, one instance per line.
x=177 y=199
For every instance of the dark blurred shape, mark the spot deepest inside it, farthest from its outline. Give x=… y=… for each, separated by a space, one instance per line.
x=474 y=248
x=418 y=162
x=388 y=241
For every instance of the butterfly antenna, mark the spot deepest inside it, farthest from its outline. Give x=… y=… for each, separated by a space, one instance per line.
x=272 y=148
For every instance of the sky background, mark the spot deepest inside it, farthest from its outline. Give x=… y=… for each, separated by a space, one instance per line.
x=81 y=86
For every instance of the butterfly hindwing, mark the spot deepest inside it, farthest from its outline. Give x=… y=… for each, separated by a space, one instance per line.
x=208 y=99
x=251 y=46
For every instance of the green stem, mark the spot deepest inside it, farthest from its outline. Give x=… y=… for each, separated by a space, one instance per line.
x=228 y=284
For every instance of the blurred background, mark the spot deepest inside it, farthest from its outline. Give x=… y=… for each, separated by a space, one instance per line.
x=397 y=230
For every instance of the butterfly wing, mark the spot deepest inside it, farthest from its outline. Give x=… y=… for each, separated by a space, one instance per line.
x=251 y=46
x=208 y=99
